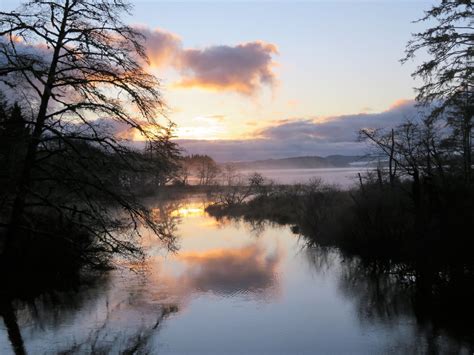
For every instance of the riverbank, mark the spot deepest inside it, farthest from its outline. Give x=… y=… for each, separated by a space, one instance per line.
x=374 y=220
x=428 y=249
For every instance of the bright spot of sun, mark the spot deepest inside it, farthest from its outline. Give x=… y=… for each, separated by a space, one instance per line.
x=188 y=211
x=202 y=127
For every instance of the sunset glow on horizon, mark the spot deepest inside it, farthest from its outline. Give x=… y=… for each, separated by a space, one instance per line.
x=235 y=72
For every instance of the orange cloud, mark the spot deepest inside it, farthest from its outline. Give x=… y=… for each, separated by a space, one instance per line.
x=400 y=103
x=246 y=89
x=244 y=68
x=163 y=48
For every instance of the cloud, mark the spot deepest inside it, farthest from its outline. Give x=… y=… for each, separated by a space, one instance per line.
x=163 y=48
x=400 y=103
x=243 y=68
x=341 y=128
x=287 y=137
x=17 y=49
x=299 y=137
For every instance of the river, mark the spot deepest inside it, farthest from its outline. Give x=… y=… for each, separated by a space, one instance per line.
x=232 y=288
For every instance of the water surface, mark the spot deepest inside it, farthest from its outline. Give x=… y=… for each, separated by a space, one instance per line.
x=343 y=177
x=232 y=288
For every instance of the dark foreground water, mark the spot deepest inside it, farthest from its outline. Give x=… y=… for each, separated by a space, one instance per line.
x=233 y=288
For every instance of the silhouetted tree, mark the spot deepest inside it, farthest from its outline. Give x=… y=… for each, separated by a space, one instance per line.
x=229 y=174
x=207 y=170
x=448 y=73
x=162 y=157
x=76 y=61
x=14 y=135
x=183 y=172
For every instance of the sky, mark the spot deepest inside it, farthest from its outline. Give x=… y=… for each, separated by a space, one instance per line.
x=262 y=79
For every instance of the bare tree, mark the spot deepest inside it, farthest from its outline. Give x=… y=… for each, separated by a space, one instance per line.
x=229 y=174
x=207 y=171
x=162 y=156
x=448 y=73
x=240 y=188
x=413 y=150
x=75 y=60
x=183 y=173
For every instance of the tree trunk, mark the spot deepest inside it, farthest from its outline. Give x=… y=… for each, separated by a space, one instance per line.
x=24 y=181
x=467 y=146
x=391 y=169
x=416 y=195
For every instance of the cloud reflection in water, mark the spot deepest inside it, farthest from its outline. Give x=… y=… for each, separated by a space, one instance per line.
x=231 y=271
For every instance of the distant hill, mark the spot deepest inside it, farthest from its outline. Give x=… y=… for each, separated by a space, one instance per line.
x=307 y=162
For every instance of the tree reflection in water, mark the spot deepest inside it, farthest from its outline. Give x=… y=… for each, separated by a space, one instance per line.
x=123 y=311
x=441 y=315
x=7 y=312
x=95 y=317
x=87 y=313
